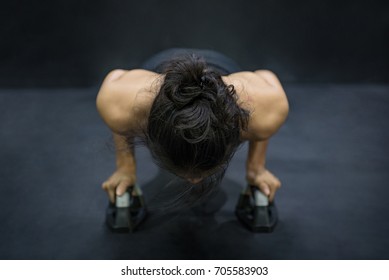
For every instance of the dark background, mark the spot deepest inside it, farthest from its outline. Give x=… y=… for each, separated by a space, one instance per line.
x=76 y=42
x=331 y=155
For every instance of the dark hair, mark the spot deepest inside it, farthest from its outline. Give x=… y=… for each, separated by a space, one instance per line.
x=194 y=122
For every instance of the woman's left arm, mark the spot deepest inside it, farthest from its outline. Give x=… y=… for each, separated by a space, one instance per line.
x=272 y=111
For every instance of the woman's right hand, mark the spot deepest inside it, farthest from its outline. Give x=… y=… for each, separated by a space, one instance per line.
x=119 y=182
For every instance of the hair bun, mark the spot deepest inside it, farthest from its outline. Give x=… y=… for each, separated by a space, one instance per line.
x=185 y=79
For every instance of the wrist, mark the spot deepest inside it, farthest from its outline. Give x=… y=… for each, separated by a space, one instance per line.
x=255 y=166
x=252 y=171
x=128 y=168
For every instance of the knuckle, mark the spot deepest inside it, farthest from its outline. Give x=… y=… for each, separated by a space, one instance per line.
x=107 y=185
x=127 y=181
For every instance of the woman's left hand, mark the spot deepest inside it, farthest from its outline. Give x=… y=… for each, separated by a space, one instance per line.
x=265 y=181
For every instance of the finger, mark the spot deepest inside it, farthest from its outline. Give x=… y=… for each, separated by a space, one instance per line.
x=272 y=194
x=108 y=186
x=123 y=186
x=111 y=194
x=264 y=187
x=110 y=183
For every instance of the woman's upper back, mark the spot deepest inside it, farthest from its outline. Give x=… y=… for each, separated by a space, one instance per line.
x=125 y=99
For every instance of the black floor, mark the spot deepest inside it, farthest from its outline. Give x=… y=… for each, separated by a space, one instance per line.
x=331 y=157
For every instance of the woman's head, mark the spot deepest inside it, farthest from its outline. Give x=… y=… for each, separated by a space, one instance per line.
x=194 y=123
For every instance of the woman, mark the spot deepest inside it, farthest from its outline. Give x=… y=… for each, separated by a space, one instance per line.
x=193 y=108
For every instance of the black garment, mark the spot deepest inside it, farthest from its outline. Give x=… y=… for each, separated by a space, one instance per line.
x=215 y=60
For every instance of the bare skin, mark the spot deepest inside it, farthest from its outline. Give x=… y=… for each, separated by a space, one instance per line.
x=125 y=99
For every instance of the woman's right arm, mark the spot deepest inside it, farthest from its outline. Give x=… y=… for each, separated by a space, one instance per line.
x=124 y=176
x=110 y=104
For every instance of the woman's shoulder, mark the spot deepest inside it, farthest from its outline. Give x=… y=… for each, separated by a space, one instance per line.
x=261 y=93
x=124 y=97
x=254 y=81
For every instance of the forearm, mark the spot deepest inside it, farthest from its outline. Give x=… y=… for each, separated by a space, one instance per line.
x=124 y=150
x=256 y=159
